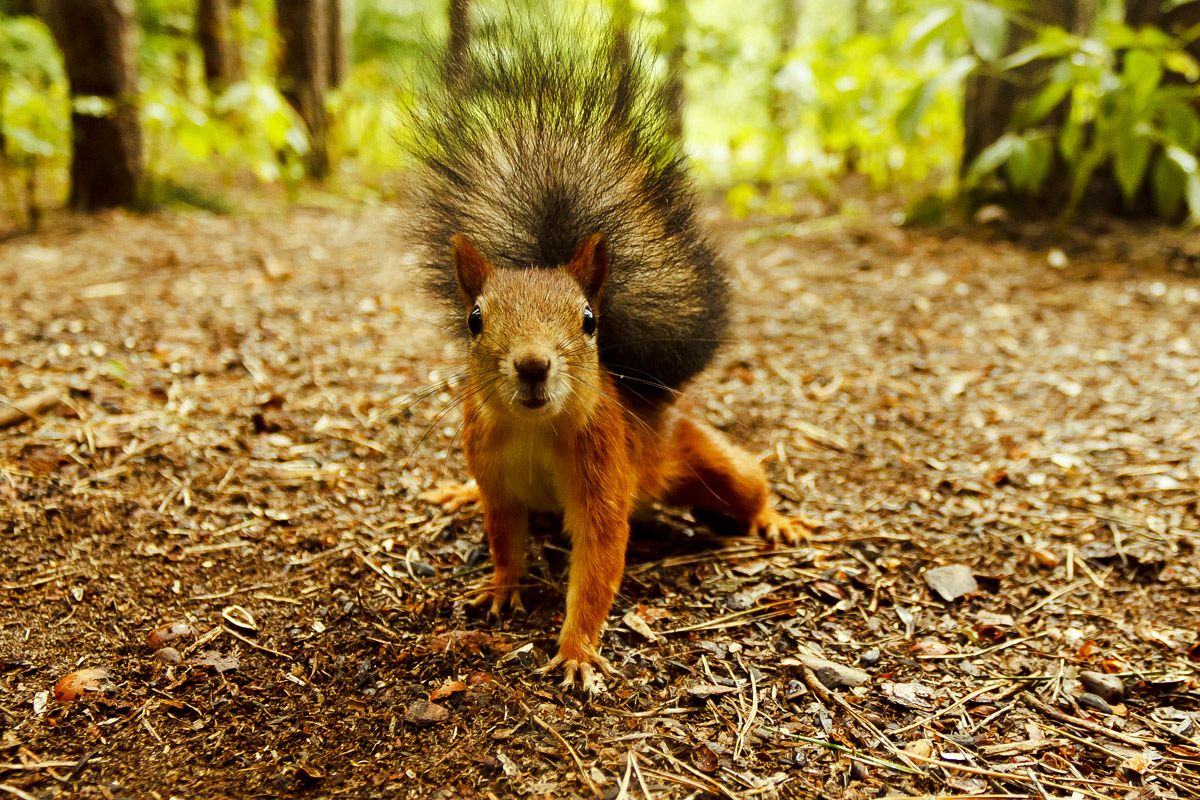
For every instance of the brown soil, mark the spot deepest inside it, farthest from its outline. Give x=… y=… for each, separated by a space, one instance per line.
x=243 y=411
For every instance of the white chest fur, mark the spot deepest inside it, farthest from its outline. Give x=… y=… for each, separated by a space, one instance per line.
x=529 y=469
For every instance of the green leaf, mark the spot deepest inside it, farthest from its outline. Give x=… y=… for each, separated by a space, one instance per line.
x=1167 y=186
x=991 y=158
x=1029 y=163
x=1193 y=198
x=1182 y=63
x=1143 y=72
x=914 y=108
x=1185 y=160
x=922 y=97
x=928 y=27
x=987 y=27
x=1037 y=109
x=1130 y=160
x=1070 y=142
x=1181 y=124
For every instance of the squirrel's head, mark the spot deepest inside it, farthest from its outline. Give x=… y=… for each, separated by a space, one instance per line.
x=533 y=331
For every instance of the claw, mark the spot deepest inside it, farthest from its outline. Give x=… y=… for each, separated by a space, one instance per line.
x=776 y=528
x=496 y=599
x=452 y=496
x=590 y=679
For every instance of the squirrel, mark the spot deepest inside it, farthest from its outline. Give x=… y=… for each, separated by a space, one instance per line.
x=556 y=219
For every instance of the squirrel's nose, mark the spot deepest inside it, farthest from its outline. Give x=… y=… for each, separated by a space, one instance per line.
x=531 y=369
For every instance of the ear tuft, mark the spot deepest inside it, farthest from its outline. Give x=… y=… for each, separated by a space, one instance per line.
x=470 y=268
x=589 y=266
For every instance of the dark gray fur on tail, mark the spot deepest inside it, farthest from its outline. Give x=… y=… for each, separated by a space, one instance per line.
x=542 y=139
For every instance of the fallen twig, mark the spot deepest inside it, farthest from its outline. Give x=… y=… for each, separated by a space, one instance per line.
x=27 y=409
x=1054 y=713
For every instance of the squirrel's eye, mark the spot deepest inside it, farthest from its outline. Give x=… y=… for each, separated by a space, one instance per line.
x=589 y=322
x=475 y=321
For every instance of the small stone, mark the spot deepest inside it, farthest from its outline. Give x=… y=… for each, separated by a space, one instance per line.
x=869 y=658
x=1108 y=687
x=423 y=712
x=921 y=748
x=168 y=655
x=1091 y=701
x=951 y=582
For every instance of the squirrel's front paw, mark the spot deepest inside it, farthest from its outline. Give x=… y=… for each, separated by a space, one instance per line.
x=452 y=496
x=587 y=663
x=497 y=598
x=776 y=528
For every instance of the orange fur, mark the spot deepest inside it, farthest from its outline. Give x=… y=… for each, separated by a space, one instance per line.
x=566 y=437
x=608 y=462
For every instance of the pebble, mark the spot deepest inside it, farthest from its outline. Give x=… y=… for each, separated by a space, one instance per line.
x=423 y=712
x=869 y=658
x=1091 y=701
x=951 y=582
x=1108 y=687
x=168 y=655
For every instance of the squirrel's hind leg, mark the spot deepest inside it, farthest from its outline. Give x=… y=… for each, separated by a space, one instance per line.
x=712 y=473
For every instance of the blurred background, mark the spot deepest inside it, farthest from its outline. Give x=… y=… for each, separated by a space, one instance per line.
x=1046 y=109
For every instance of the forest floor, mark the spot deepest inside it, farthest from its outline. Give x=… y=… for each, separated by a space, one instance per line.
x=999 y=438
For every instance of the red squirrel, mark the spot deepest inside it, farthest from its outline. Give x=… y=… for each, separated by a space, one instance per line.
x=556 y=217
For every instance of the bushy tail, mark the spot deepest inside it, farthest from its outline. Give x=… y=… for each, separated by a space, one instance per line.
x=543 y=137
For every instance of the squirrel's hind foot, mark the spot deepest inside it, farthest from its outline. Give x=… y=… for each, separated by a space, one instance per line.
x=452 y=496
x=776 y=528
x=587 y=668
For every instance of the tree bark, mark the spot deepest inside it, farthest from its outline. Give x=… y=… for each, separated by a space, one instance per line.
x=304 y=72
x=98 y=42
x=214 y=24
x=459 y=17
x=676 y=20
x=337 y=44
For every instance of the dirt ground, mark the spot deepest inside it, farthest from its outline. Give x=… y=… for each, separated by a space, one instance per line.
x=999 y=438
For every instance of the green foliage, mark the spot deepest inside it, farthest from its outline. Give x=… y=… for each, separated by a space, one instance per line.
x=34 y=111
x=33 y=107
x=885 y=102
x=1122 y=112
x=869 y=102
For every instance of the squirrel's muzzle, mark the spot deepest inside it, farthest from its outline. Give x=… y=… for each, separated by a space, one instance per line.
x=532 y=371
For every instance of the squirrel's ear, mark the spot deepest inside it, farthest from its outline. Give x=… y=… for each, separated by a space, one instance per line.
x=589 y=266
x=470 y=267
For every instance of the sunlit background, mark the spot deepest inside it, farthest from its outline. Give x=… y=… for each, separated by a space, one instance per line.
x=787 y=94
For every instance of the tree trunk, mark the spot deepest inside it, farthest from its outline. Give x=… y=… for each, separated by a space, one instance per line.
x=214 y=25
x=990 y=101
x=304 y=72
x=787 y=25
x=337 y=44
x=97 y=38
x=459 y=16
x=675 y=19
